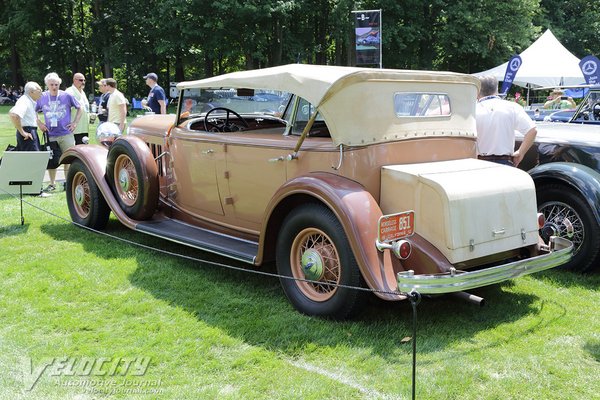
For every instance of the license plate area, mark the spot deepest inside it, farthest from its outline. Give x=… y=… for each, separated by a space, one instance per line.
x=396 y=226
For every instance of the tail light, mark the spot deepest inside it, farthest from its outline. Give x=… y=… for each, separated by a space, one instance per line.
x=541 y=220
x=402 y=249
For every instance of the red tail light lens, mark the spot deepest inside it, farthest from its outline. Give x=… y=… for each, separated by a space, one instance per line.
x=541 y=220
x=402 y=249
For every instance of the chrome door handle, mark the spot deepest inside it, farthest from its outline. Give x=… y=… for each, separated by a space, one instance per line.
x=277 y=159
x=209 y=151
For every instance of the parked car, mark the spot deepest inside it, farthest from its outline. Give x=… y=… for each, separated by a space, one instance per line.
x=365 y=178
x=588 y=111
x=564 y=163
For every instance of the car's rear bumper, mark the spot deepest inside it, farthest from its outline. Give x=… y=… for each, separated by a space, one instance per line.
x=559 y=252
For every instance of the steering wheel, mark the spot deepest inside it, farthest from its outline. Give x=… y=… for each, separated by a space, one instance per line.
x=220 y=125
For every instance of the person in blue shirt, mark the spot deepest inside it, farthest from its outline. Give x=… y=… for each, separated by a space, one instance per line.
x=157 y=100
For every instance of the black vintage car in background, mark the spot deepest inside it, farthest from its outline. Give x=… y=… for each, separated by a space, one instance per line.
x=588 y=111
x=564 y=163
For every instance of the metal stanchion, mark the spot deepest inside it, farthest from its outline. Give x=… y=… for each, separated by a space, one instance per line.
x=20 y=183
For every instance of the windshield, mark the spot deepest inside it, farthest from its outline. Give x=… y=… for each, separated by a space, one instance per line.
x=589 y=110
x=197 y=101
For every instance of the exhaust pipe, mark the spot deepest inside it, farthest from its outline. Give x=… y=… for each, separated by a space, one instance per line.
x=471 y=298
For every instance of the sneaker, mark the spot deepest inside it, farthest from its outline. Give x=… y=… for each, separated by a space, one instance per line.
x=44 y=194
x=50 y=188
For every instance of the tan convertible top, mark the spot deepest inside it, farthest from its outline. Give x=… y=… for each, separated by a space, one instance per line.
x=357 y=103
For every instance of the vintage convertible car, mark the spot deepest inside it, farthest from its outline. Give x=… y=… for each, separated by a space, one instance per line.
x=345 y=177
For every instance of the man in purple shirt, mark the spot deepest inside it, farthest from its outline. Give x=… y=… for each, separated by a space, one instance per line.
x=56 y=106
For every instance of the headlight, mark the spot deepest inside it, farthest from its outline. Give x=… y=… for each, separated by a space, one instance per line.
x=107 y=132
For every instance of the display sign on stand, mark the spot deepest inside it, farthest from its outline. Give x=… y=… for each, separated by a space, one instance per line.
x=367 y=28
x=22 y=172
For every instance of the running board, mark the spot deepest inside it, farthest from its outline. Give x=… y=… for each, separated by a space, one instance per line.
x=202 y=239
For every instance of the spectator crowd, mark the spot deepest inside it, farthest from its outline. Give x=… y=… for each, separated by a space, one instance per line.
x=10 y=95
x=63 y=116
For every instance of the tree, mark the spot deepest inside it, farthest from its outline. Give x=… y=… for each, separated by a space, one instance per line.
x=193 y=39
x=476 y=35
x=575 y=23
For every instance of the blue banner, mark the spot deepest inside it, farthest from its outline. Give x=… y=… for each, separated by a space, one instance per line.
x=590 y=67
x=511 y=70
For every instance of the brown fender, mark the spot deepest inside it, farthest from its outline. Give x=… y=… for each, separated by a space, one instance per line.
x=357 y=211
x=94 y=157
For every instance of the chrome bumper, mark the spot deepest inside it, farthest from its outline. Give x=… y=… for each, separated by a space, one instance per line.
x=560 y=251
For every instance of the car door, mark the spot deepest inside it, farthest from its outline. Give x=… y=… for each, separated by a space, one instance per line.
x=255 y=169
x=195 y=158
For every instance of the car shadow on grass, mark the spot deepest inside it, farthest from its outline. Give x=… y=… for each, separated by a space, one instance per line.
x=593 y=348
x=13 y=229
x=254 y=308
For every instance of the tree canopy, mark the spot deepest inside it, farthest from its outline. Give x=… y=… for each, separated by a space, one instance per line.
x=193 y=39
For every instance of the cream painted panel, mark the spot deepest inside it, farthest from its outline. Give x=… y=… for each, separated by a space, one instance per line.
x=466 y=208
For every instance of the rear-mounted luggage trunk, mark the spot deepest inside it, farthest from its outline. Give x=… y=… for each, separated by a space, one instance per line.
x=466 y=208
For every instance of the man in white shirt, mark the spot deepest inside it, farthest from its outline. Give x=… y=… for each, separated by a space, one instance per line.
x=76 y=90
x=497 y=120
x=117 y=104
x=23 y=117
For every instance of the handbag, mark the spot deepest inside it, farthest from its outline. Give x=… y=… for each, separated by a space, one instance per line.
x=55 y=152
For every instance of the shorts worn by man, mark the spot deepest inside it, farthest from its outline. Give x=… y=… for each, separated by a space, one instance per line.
x=497 y=120
x=23 y=117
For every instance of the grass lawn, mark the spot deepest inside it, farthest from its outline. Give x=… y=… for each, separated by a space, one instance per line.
x=88 y=316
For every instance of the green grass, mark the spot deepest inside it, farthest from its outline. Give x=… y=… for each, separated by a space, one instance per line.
x=214 y=333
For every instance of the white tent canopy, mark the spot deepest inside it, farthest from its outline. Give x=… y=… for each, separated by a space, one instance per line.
x=546 y=63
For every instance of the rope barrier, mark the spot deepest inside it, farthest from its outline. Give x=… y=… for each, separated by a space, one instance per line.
x=213 y=263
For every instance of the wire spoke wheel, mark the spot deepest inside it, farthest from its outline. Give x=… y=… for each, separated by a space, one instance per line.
x=86 y=204
x=558 y=203
x=314 y=257
x=126 y=180
x=556 y=212
x=80 y=192
x=132 y=174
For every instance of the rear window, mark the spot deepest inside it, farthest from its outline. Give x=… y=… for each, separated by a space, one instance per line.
x=415 y=104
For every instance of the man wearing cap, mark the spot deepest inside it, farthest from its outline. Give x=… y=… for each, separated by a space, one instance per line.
x=156 y=97
x=559 y=101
